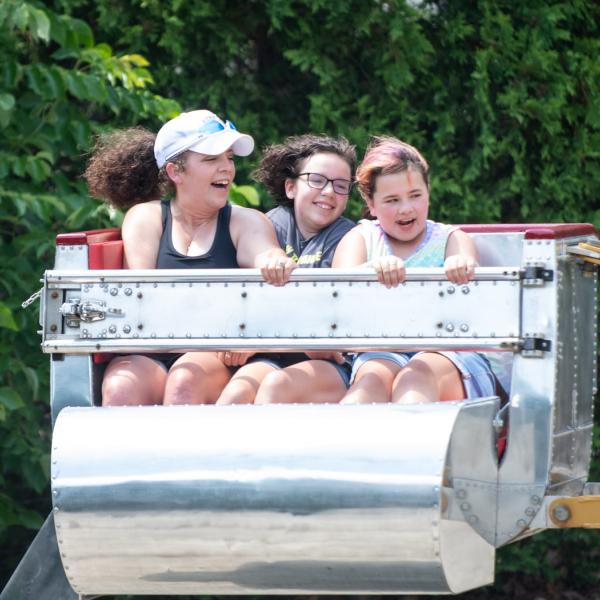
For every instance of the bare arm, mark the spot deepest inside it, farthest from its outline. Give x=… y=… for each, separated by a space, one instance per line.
x=461 y=257
x=352 y=252
x=256 y=243
x=141 y=231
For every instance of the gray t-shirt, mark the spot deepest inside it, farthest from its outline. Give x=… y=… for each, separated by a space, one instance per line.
x=318 y=251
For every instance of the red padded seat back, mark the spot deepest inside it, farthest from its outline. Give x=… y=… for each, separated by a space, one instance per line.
x=106 y=255
x=105 y=251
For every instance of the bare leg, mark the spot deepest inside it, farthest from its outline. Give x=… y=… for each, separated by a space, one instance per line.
x=196 y=378
x=244 y=384
x=315 y=381
x=428 y=377
x=133 y=380
x=373 y=382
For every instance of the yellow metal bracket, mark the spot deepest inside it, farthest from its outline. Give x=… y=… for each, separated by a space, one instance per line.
x=579 y=511
x=587 y=251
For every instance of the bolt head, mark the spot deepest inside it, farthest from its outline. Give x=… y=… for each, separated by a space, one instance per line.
x=561 y=513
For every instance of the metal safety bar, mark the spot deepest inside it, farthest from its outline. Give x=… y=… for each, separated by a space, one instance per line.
x=63 y=277
x=319 y=309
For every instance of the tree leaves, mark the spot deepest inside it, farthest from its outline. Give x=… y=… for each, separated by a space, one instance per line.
x=58 y=88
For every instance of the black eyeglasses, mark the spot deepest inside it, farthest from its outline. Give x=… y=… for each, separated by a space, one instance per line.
x=319 y=182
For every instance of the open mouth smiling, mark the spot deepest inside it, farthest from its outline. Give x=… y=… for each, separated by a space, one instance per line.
x=324 y=206
x=222 y=184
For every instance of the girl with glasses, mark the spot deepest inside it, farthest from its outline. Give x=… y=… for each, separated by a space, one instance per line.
x=310 y=178
x=393 y=179
x=190 y=160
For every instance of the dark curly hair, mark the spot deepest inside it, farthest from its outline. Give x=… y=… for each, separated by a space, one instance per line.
x=122 y=169
x=283 y=161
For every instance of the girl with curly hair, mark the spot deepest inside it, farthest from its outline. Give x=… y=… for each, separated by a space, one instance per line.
x=310 y=178
x=191 y=159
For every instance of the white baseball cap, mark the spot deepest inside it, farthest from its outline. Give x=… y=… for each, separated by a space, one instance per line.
x=199 y=131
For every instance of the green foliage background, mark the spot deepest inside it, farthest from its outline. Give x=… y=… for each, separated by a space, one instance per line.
x=502 y=97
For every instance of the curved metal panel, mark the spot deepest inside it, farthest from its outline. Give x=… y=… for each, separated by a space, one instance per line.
x=575 y=376
x=260 y=499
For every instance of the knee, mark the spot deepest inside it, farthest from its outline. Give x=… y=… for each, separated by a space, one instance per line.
x=121 y=390
x=184 y=388
x=414 y=373
x=115 y=391
x=237 y=392
x=275 y=389
x=373 y=378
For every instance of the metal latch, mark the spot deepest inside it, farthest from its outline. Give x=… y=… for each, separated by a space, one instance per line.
x=535 y=275
x=534 y=347
x=89 y=311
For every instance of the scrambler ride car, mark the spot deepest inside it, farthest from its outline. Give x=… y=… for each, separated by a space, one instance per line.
x=315 y=499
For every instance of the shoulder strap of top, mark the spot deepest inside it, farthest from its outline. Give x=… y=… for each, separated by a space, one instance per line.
x=224 y=217
x=223 y=248
x=165 y=209
x=375 y=239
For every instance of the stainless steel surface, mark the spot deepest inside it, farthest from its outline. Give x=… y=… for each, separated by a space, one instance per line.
x=85 y=346
x=63 y=276
x=575 y=377
x=262 y=500
x=472 y=467
x=71 y=257
x=184 y=313
x=72 y=382
x=523 y=474
x=496 y=249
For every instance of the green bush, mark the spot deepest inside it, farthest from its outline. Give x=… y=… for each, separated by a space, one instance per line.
x=57 y=89
x=502 y=97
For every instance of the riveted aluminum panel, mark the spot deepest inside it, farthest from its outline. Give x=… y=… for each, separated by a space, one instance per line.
x=523 y=474
x=550 y=415
x=575 y=374
x=209 y=310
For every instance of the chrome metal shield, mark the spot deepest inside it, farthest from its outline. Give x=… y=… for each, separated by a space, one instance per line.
x=263 y=500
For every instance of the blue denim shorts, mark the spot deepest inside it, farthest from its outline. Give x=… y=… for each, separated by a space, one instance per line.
x=477 y=375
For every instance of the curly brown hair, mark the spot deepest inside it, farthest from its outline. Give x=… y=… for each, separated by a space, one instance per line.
x=283 y=161
x=122 y=169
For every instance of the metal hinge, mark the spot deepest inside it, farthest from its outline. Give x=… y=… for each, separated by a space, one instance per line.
x=89 y=311
x=534 y=346
x=535 y=275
